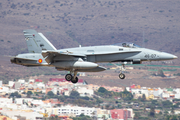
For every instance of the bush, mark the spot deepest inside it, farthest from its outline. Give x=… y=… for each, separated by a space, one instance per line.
x=29 y=93
x=74 y=94
x=167 y=104
x=102 y=90
x=15 y=94
x=50 y=93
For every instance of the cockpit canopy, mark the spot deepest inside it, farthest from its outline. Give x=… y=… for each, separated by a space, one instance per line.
x=128 y=44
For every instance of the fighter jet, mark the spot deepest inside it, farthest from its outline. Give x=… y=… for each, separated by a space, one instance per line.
x=83 y=59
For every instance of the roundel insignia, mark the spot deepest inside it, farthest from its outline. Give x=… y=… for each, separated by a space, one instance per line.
x=40 y=60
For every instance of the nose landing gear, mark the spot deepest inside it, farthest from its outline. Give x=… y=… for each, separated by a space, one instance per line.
x=122 y=68
x=122 y=76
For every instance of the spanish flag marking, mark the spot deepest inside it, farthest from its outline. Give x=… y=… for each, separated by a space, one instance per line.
x=40 y=60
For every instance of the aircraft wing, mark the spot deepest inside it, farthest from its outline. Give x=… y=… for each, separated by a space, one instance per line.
x=49 y=55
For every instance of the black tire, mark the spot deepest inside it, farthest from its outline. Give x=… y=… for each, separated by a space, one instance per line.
x=74 y=81
x=121 y=76
x=68 y=77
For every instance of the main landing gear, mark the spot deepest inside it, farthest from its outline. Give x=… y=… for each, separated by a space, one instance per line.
x=70 y=77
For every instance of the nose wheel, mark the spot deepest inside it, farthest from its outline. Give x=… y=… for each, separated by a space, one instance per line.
x=122 y=76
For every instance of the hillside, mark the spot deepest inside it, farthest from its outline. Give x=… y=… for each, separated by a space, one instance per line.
x=73 y=22
x=152 y=24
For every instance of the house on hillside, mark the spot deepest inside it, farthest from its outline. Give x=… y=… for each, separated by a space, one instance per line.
x=72 y=111
x=121 y=114
x=80 y=81
x=84 y=91
x=103 y=114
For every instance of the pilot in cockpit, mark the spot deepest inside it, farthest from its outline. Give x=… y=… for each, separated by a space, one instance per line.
x=131 y=45
x=124 y=44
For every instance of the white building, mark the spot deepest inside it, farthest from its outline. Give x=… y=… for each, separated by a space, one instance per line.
x=19 y=100
x=21 y=81
x=17 y=85
x=54 y=90
x=4 y=90
x=84 y=91
x=11 y=83
x=66 y=110
x=67 y=93
x=177 y=96
x=128 y=88
x=31 y=80
x=158 y=93
x=177 y=90
x=1 y=83
x=165 y=95
x=4 y=101
x=27 y=115
x=140 y=91
x=40 y=85
x=37 y=102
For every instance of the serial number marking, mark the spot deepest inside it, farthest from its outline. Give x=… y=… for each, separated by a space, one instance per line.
x=150 y=56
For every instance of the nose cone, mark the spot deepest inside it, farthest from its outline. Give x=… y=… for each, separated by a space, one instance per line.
x=167 y=56
x=175 y=57
x=13 y=60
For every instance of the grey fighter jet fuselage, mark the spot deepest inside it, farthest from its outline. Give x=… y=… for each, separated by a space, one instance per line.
x=83 y=59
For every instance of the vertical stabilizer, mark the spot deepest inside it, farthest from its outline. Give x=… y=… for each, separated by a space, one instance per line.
x=36 y=42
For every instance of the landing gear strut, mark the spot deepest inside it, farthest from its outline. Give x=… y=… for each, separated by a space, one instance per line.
x=121 y=75
x=70 y=77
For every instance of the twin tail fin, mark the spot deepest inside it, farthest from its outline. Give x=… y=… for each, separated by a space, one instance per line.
x=37 y=42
